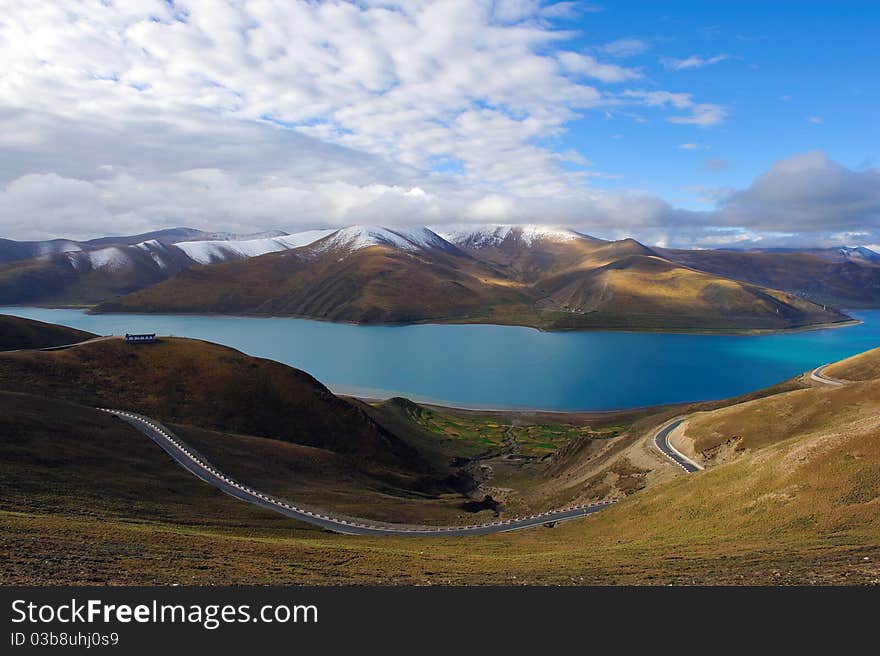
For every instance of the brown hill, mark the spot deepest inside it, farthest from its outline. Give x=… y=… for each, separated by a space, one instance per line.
x=651 y=292
x=861 y=367
x=526 y=258
x=20 y=333
x=81 y=278
x=800 y=509
x=846 y=284
x=376 y=284
x=557 y=281
x=207 y=385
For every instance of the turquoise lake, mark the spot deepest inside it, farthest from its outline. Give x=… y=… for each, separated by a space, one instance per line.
x=504 y=366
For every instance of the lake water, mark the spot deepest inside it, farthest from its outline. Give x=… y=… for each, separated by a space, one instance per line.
x=504 y=366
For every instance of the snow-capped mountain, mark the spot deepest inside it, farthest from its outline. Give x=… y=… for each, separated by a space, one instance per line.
x=85 y=272
x=404 y=273
x=837 y=254
x=859 y=254
x=355 y=238
x=484 y=236
x=165 y=255
x=212 y=251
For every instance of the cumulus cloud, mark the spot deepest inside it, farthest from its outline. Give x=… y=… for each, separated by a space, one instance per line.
x=805 y=200
x=807 y=192
x=586 y=65
x=248 y=115
x=114 y=105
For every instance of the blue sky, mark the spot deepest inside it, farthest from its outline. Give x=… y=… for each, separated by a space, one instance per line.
x=797 y=76
x=699 y=124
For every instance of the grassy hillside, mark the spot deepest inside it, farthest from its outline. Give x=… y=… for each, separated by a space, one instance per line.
x=840 y=284
x=54 y=279
x=864 y=366
x=801 y=510
x=791 y=494
x=207 y=385
x=577 y=284
x=64 y=458
x=213 y=394
x=373 y=285
x=19 y=333
x=725 y=434
x=650 y=292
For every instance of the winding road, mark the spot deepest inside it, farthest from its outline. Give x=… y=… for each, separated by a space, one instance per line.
x=661 y=436
x=818 y=374
x=185 y=456
x=198 y=466
x=661 y=441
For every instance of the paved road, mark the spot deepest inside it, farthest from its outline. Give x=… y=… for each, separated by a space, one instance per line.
x=818 y=374
x=64 y=347
x=661 y=437
x=661 y=441
x=198 y=466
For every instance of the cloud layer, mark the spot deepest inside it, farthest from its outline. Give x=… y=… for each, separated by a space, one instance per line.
x=249 y=115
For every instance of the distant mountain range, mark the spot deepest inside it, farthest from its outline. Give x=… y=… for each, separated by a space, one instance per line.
x=67 y=272
x=859 y=254
x=542 y=276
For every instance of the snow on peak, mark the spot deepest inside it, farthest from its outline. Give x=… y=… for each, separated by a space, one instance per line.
x=210 y=251
x=357 y=237
x=113 y=258
x=475 y=236
x=235 y=236
x=860 y=252
x=155 y=249
x=57 y=246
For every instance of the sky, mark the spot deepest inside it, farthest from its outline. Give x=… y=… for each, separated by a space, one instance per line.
x=681 y=123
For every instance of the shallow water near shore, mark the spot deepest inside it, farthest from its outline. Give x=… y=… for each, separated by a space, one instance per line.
x=486 y=366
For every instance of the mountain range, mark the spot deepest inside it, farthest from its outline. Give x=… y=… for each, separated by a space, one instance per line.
x=541 y=276
x=67 y=272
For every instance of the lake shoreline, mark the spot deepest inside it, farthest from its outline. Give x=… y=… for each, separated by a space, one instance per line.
x=745 y=332
x=505 y=369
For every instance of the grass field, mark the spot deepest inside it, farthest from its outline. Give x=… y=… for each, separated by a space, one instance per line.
x=474 y=434
x=19 y=333
x=85 y=498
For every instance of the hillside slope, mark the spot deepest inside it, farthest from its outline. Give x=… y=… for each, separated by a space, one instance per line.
x=846 y=283
x=341 y=278
x=861 y=367
x=647 y=291
x=801 y=509
x=537 y=277
x=19 y=333
x=64 y=272
x=821 y=412
x=207 y=385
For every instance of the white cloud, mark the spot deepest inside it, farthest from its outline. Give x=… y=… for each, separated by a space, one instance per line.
x=694 y=61
x=260 y=113
x=577 y=63
x=623 y=48
x=808 y=192
x=816 y=120
x=701 y=114
x=693 y=146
